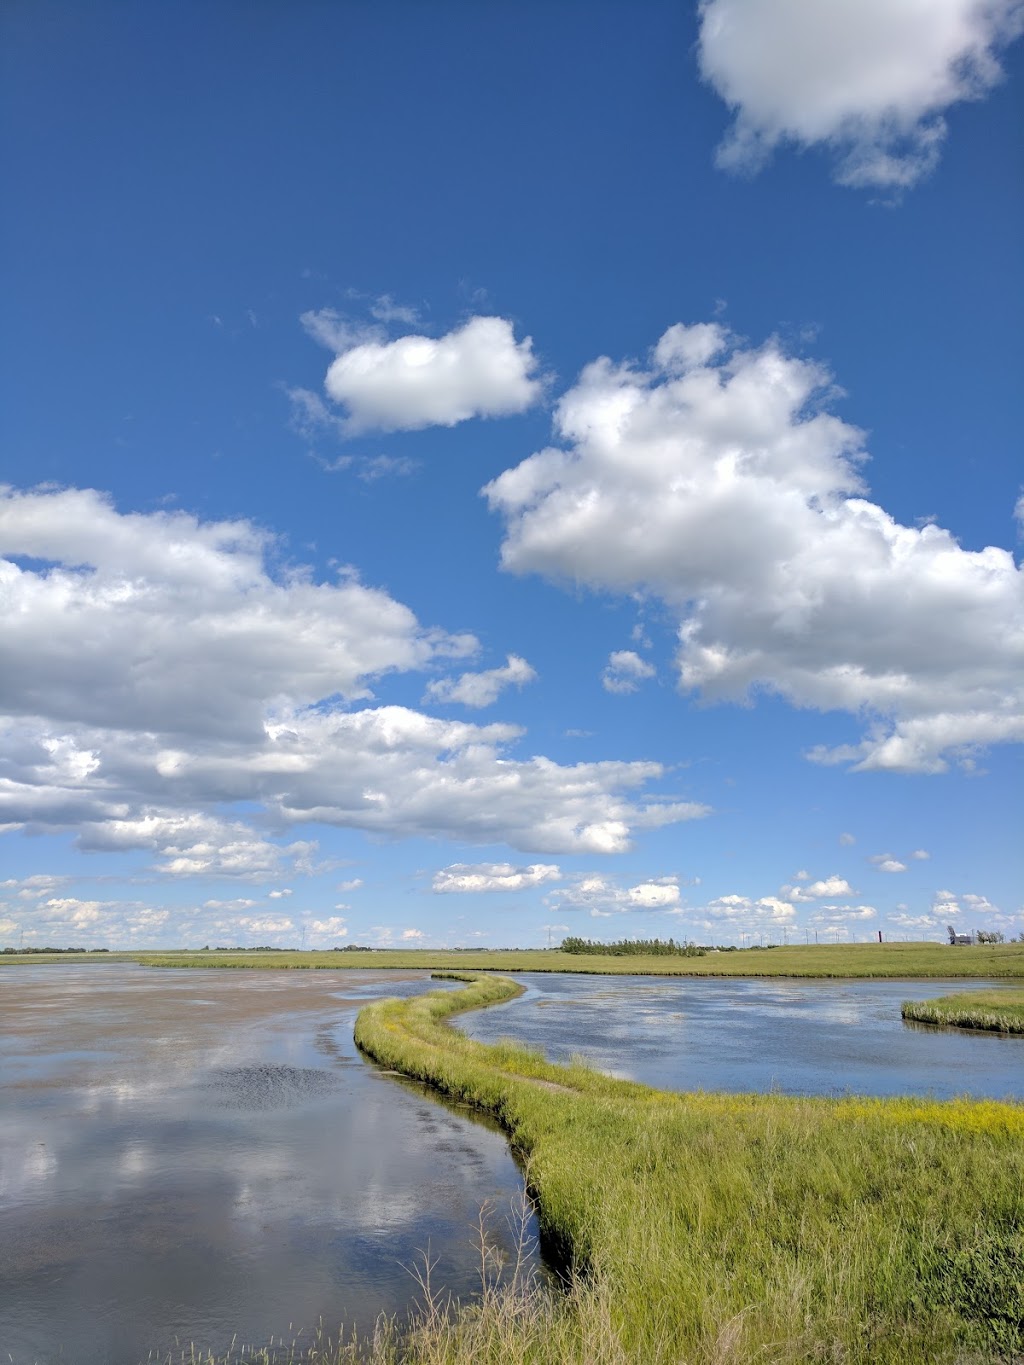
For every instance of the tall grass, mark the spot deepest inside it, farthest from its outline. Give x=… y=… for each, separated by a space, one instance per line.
x=851 y=960
x=711 y=1228
x=999 y=1011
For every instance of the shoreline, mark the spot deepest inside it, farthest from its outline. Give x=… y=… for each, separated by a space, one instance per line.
x=871 y=961
x=1000 y=1011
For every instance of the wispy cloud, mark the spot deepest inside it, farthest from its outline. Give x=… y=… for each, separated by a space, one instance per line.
x=472 y=877
x=625 y=671
x=481 y=689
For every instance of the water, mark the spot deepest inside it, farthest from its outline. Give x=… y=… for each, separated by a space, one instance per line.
x=800 y=1037
x=190 y=1155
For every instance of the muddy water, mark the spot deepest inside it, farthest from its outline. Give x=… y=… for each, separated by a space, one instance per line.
x=187 y=1156
x=801 y=1037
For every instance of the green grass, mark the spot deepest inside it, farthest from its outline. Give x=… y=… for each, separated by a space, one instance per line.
x=855 y=960
x=999 y=1011
x=712 y=1228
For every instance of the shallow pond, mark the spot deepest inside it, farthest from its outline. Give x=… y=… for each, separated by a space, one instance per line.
x=801 y=1037
x=194 y=1154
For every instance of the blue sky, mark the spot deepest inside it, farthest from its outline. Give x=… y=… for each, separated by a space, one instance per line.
x=474 y=474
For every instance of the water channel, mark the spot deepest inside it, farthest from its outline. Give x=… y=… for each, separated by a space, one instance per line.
x=800 y=1037
x=189 y=1155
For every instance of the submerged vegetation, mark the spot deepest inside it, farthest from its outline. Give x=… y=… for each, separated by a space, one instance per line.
x=718 y=1228
x=999 y=1011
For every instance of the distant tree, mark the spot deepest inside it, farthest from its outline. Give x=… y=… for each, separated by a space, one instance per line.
x=640 y=947
x=574 y=945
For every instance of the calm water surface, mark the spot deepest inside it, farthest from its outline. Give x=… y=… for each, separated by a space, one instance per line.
x=799 y=1037
x=196 y=1154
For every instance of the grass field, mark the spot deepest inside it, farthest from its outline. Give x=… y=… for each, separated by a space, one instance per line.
x=833 y=960
x=711 y=1228
x=999 y=1011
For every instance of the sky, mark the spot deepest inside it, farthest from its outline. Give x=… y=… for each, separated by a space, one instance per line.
x=475 y=474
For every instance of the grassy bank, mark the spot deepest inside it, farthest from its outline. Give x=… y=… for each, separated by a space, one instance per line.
x=852 y=960
x=725 y=1228
x=999 y=1011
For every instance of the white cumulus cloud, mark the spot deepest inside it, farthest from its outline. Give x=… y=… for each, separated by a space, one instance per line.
x=266 y=924
x=819 y=890
x=477 y=370
x=656 y=895
x=744 y=913
x=156 y=670
x=625 y=671
x=869 y=80
x=192 y=844
x=948 y=905
x=885 y=862
x=484 y=688
x=494 y=877
x=603 y=896
x=953 y=903
x=60 y=920
x=165 y=623
x=726 y=487
x=334 y=927
x=945 y=903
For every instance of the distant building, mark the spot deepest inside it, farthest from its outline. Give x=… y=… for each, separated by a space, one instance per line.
x=960 y=940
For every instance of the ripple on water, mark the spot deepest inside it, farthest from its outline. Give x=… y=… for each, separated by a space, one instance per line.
x=269 y=1086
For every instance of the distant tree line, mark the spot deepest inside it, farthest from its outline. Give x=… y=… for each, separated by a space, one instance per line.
x=276 y=948
x=633 y=947
x=34 y=951
x=243 y=948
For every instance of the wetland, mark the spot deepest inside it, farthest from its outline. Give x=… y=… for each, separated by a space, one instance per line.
x=204 y=1156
